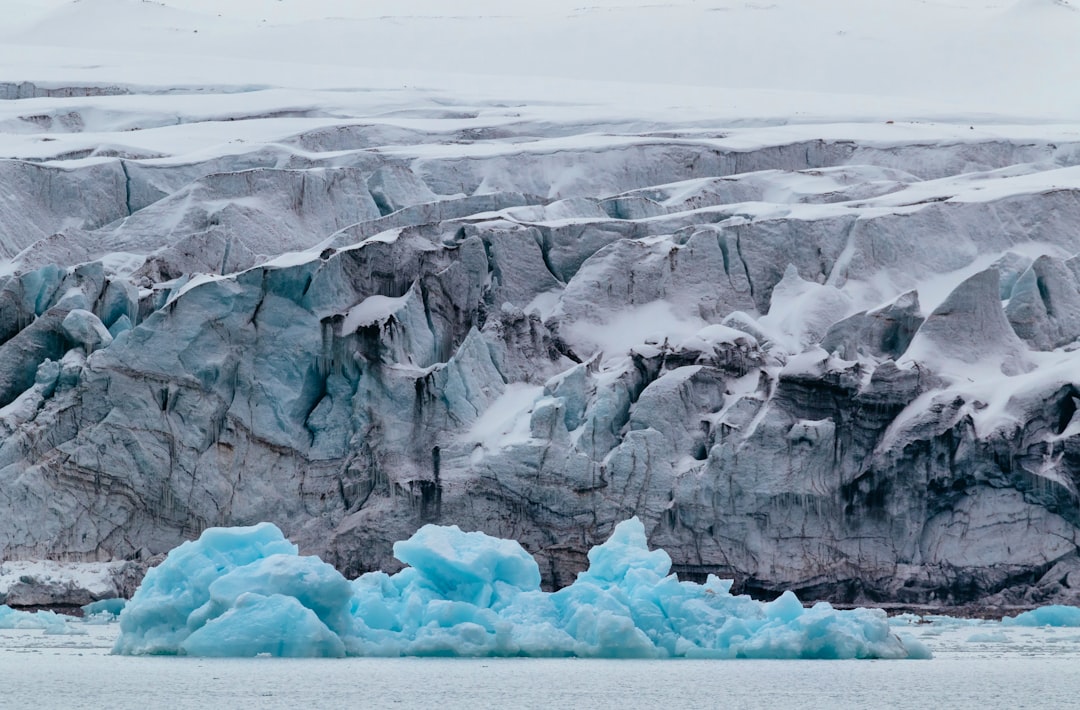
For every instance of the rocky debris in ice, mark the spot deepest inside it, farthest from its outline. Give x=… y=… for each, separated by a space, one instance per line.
x=881 y=333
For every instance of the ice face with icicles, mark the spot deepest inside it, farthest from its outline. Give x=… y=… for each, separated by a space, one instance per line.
x=246 y=591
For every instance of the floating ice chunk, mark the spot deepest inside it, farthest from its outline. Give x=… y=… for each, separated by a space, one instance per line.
x=1053 y=615
x=103 y=611
x=14 y=619
x=819 y=632
x=906 y=619
x=245 y=591
x=49 y=622
x=916 y=649
x=988 y=637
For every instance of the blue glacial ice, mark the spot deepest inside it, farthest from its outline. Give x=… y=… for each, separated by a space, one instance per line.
x=247 y=591
x=49 y=622
x=104 y=610
x=1053 y=615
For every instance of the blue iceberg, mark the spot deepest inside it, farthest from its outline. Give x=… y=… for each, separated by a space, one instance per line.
x=104 y=610
x=247 y=592
x=1053 y=615
x=49 y=622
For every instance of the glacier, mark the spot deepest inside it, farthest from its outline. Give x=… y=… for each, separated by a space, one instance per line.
x=814 y=340
x=247 y=592
x=801 y=367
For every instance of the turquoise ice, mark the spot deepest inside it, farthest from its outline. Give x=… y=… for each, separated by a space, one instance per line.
x=1053 y=615
x=246 y=592
x=49 y=622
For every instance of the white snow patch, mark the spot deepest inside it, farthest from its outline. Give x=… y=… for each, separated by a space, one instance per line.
x=292 y=258
x=373 y=309
x=506 y=421
x=95 y=577
x=716 y=334
x=829 y=58
x=193 y=282
x=544 y=304
x=651 y=323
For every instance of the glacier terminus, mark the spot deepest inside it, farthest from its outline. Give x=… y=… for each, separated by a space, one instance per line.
x=815 y=329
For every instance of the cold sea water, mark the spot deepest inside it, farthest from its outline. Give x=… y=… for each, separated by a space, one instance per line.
x=974 y=666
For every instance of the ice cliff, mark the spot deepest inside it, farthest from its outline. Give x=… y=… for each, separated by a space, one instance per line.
x=836 y=359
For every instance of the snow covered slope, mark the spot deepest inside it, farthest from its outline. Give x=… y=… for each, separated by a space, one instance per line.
x=795 y=283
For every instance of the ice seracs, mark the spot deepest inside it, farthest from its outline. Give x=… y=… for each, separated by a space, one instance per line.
x=969 y=328
x=752 y=360
x=355 y=298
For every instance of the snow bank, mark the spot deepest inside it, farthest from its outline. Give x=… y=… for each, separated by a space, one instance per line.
x=857 y=56
x=246 y=591
x=47 y=582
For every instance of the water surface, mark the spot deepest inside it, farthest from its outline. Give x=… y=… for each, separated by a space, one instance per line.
x=1028 y=668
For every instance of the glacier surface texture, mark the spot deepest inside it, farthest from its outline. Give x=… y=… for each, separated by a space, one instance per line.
x=246 y=591
x=814 y=322
x=838 y=367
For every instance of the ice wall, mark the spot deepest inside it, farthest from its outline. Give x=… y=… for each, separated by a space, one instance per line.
x=783 y=348
x=246 y=591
